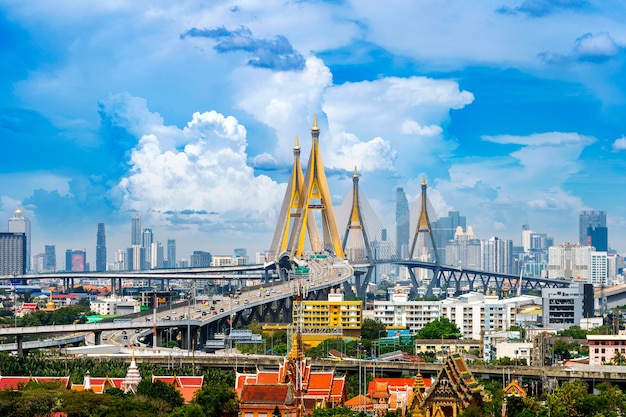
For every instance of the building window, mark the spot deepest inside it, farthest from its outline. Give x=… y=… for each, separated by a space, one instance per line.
x=248 y=414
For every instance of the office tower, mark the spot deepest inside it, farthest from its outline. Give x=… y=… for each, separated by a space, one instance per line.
x=171 y=253
x=589 y=218
x=51 y=258
x=444 y=230
x=135 y=230
x=38 y=263
x=497 y=255
x=20 y=224
x=121 y=260
x=146 y=244
x=134 y=257
x=101 y=249
x=598 y=237
x=526 y=232
x=402 y=224
x=12 y=253
x=200 y=259
x=156 y=255
x=241 y=253
x=75 y=260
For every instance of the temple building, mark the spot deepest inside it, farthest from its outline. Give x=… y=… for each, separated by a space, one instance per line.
x=453 y=391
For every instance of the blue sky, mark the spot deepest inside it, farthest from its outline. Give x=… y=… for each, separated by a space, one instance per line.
x=187 y=112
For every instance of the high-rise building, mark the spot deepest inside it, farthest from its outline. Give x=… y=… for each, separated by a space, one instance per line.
x=598 y=237
x=444 y=230
x=497 y=255
x=570 y=262
x=200 y=259
x=587 y=219
x=20 y=224
x=156 y=256
x=75 y=260
x=526 y=232
x=402 y=224
x=101 y=249
x=171 y=253
x=135 y=230
x=241 y=253
x=146 y=243
x=12 y=253
x=51 y=258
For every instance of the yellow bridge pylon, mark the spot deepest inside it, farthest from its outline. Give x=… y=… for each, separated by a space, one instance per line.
x=301 y=200
x=289 y=210
x=423 y=225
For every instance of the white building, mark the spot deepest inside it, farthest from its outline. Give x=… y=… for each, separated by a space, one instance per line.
x=476 y=314
x=514 y=350
x=227 y=260
x=570 y=262
x=402 y=312
x=114 y=305
x=599 y=269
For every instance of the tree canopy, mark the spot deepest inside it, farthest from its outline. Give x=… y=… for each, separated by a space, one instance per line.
x=441 y=328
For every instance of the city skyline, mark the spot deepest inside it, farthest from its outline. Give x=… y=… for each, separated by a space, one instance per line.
x=187 y=115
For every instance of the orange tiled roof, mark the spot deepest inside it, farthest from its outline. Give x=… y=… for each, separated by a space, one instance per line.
x=14 y=382
x=186 y=385
x=267 y=394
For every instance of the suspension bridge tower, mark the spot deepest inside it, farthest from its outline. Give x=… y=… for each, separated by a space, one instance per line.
x=356 y=243
x=306 y=194
x=424 y=227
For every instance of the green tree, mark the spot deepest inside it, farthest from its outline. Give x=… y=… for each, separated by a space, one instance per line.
x=372 y=328
x=569 y=400
x=441 y=328
x=334 y=412
x=575 y=332
x=160 y=390
x=217 y=400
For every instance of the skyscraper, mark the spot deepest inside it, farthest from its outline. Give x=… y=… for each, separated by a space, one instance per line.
x=402 y=224
x=444 y=230
x=146 y=244
x=135 y=230
x=51 y=258
x=101 y=249
x=12 y=253
x=587 y=219
x=171 y=253
x=20 y=224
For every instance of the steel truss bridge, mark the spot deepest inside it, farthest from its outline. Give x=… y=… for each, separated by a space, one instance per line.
x=463 y=280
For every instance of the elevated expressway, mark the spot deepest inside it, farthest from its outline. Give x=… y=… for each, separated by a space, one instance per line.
x=201 y=321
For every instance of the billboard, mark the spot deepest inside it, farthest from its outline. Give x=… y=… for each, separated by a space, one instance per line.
x=397 y=333
x=78 y=261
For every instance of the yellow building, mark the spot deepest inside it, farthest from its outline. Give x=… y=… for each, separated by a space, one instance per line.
x=325 y=319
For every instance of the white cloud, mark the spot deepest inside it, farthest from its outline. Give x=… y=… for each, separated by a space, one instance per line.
x=528 y=185
x=411 y=127
x=208 y=176
x=619 y=144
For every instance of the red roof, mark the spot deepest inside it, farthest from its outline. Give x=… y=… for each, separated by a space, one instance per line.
x=186 y=385
x=14 y=382
x=267 y=394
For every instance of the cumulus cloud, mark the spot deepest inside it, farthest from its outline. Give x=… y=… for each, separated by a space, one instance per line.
x=207 y=182
x=619 y=144
x=277 y=54
x=594 y=48
x=527 y=182
x=411 y=127
x=284 y=101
